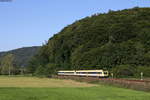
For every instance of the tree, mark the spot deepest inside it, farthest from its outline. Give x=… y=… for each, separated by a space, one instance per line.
x=7 y=64
x=124 y=71
x=48 y=70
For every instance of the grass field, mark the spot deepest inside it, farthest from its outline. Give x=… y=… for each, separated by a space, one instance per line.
x=28 y=88
x=39 y=82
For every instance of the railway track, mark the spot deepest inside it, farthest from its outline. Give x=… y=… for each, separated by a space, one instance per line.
x=106 y=79
x=129 y=80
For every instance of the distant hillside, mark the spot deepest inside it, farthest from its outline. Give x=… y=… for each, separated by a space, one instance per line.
x=22 y=55
x=109 y=40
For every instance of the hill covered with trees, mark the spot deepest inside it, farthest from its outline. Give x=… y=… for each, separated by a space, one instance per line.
x=21 y=55
x=118 y=41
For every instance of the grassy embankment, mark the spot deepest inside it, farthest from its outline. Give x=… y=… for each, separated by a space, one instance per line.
x=29 y=88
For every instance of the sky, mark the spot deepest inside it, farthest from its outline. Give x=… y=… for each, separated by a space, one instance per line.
x=25 y=23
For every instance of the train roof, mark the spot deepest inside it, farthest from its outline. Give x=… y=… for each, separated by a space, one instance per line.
x=80 y=70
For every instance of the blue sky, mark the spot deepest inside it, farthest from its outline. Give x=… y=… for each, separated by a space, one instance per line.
x=31 y=22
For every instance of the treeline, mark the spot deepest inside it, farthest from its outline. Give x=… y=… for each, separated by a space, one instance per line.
x=21 y=55
x=7 y=66
x=118 y=41
x=15 y=61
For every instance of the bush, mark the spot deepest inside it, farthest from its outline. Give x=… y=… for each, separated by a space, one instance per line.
x=40 y=71
x=144 y=69
x=48 y=70
x=124 y=71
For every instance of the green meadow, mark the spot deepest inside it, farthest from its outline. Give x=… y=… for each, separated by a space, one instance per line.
x=29 y=88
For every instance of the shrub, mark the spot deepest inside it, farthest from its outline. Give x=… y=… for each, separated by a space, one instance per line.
x=144 y=69
x=124 y=71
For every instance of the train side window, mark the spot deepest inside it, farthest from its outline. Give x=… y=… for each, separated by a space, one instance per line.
x=92 y=73
x=60 y=72
x=70 y=72
x=99 y=72
x=81 y=72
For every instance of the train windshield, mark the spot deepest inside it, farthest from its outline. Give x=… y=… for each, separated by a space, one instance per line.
x=105 y=72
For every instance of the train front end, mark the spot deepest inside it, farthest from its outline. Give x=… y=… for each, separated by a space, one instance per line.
x=105 y=74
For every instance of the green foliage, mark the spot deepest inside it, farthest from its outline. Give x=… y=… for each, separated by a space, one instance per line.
x=124 y=71
x=6 y=66
x=21 y=55
x=131 y=71
x=47 y=70
x=117 y=38
x=144 y=69
x=40 y=71
x=32 y=66
x=21 y=58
